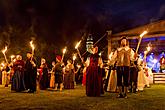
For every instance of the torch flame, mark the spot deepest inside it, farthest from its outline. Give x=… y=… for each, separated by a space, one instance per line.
x=77 y=45
x=31 y=44
x=74 y=57
x=64 y=50
x=3 y=51
x=145 y=32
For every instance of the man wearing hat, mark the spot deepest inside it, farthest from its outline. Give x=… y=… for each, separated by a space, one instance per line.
x=122 y=56
x=58 y=73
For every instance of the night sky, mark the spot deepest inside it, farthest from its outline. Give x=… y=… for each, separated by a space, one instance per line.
x=63 y=22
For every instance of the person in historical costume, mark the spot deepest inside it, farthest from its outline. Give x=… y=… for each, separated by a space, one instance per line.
x=94 y=82
x=141 y=75
x=8 y=69
x=11 y=72
x=44 y=80
x=69 y=75
x=52 y=78
x=18 y=84
x=76 y=73
x=122 y=56
x=58 y=73
x=5 y=75
x=30 y=73
x=150 y=76
x=133 y=76
x=147 y=75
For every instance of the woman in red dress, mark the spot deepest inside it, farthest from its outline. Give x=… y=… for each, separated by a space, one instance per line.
x=94 y=84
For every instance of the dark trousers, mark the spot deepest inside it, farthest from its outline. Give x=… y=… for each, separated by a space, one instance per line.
x=32 y=84
x=122 y=72
x=133 y=79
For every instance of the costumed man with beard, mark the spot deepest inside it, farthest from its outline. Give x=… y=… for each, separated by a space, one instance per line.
x=30 y=73
x=122 y=57
x=94 y=82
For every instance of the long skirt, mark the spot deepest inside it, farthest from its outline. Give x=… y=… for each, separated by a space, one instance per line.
x=44 y=82
x=18 y=84
x=112 y=83
x=148 y=78
x=52 y=81
x=69 y=80
x=141 y=80
x=94 y=83
x=4 y=77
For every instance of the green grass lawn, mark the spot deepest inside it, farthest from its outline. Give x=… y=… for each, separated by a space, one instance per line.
x=151 y=99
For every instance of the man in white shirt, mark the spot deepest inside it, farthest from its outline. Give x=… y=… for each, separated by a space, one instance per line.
x=122 y=57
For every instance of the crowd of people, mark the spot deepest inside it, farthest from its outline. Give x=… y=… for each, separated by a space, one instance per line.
x=126 y=73
x=26 y=76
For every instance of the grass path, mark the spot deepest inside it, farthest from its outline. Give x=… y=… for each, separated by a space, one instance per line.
x=151 y=99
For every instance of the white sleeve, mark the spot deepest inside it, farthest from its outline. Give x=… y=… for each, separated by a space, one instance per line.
x=132 y=53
